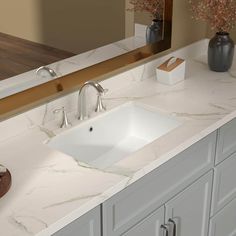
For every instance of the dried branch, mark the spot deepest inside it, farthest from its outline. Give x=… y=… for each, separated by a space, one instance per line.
x=219 y=14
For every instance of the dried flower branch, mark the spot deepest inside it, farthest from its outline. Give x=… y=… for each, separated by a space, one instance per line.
x=220 y=14
x=154 y=7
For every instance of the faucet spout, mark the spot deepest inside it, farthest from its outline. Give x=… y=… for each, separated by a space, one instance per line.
x=94 y=84
x=50 y=71
x=82 y=108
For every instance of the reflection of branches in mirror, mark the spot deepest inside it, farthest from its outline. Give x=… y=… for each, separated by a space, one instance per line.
x=154 y=7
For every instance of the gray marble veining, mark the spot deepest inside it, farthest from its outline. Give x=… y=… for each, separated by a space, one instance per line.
x=35 y=205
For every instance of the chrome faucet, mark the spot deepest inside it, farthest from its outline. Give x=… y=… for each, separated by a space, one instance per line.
x=50 y=71
x=82 y=106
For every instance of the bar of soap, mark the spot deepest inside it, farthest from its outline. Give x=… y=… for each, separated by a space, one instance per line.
x=3 y=169
x=171 y=71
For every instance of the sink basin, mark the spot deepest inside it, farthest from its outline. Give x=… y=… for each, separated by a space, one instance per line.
x=112 y=136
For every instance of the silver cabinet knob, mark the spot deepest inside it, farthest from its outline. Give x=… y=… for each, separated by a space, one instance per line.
x=65 y=122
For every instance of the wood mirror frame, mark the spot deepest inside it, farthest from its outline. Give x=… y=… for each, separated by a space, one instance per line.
x=38 y=95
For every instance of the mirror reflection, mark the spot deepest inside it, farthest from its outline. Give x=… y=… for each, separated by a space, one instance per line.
x=40 y=32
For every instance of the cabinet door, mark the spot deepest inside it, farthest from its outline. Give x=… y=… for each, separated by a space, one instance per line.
x=87 y=225
x=150 y=226
x=190 y=209
x=226 y=141
x=224 y=222
x=224 y=186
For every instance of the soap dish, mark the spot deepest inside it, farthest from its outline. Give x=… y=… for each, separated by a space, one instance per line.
x=5 y=183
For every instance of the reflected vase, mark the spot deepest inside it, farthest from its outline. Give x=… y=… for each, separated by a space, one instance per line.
x=220 y=52
x=154 y=31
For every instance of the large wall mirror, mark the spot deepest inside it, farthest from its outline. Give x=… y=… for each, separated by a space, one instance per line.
x=100 y=37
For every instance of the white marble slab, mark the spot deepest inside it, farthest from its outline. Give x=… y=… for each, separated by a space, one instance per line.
x=49 y=188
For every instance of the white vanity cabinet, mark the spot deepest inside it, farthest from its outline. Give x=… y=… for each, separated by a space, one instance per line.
x=87 y=225
x=127 y=212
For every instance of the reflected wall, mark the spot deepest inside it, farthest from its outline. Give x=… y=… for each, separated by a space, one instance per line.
x=70 y=25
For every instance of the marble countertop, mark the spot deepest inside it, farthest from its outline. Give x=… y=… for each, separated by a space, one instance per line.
x=50 y=189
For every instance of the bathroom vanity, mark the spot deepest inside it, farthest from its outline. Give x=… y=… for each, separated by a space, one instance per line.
x=180 y=182
x=191 y=194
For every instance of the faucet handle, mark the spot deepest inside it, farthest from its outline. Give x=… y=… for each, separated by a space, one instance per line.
x=100 y=106
x=65 y=121
x=102 y=92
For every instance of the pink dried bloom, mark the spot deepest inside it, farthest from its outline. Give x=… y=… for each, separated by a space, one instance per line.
x=220 y=14
x=154 y=7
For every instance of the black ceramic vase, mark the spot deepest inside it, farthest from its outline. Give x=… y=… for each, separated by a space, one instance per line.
x=154 y=31
x=220 y=52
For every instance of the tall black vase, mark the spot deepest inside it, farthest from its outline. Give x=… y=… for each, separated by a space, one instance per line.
x=154 y=31
x=220 y=52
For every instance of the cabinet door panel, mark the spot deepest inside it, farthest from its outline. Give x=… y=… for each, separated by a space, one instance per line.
x=150 y=226
x=224 y=187
x=191 y=208
x=224 y=222
x=87 y=225
x=226 y=142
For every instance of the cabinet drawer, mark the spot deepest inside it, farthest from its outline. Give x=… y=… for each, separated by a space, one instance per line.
x=87 y=225
x=224 y=222
x=226 y=142
x=134 y=203
x=224 y=187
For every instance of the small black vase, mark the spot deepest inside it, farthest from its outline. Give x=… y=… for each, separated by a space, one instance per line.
x=154 y=31
x=220 y=52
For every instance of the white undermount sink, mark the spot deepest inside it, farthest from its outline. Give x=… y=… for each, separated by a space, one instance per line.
x=114 y=135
